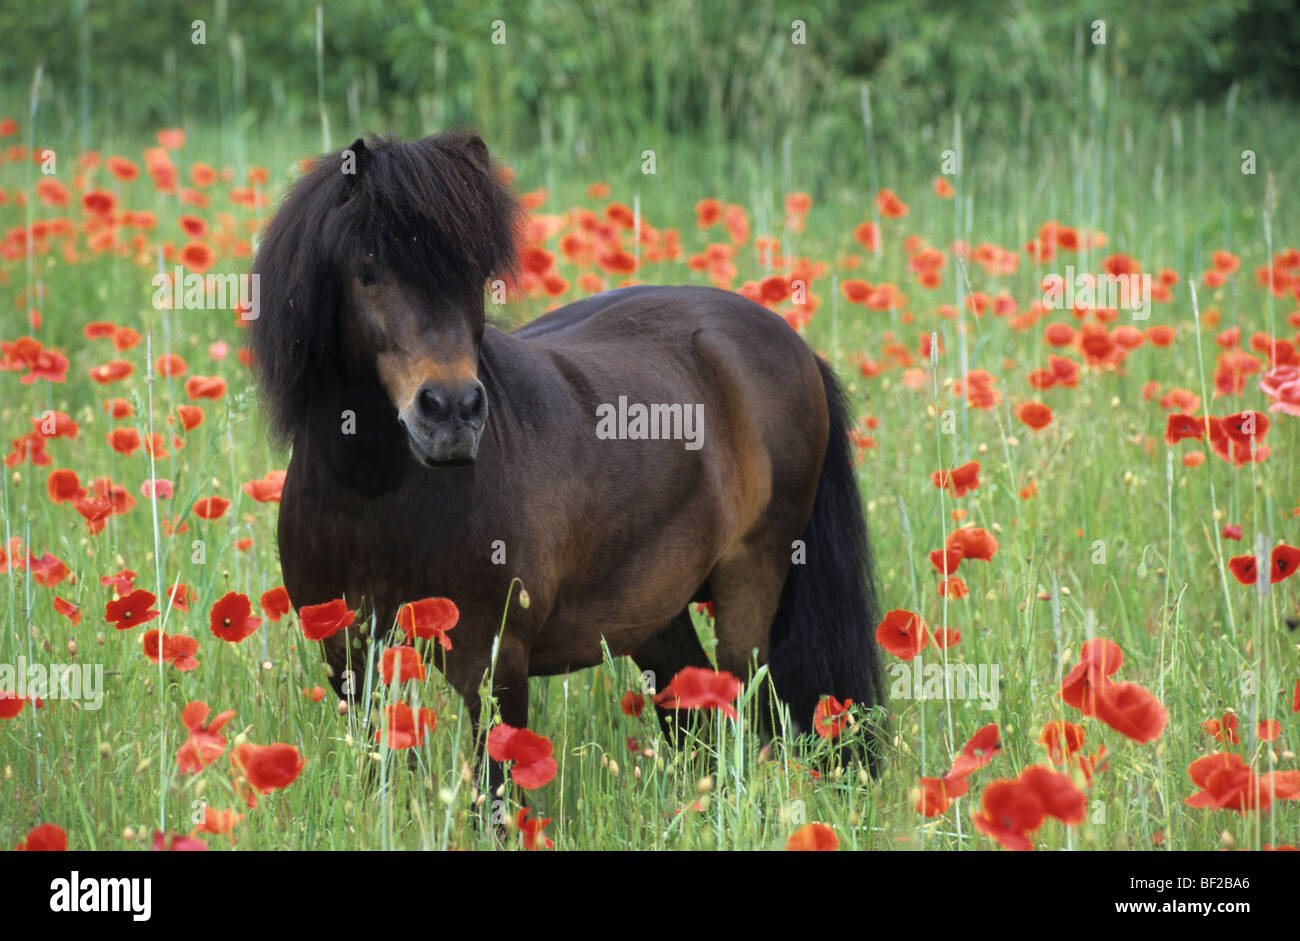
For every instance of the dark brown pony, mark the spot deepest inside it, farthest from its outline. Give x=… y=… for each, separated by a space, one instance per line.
x=434 y=455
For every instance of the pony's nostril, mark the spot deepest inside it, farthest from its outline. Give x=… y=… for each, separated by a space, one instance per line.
x=433 y=404
x=473 y=404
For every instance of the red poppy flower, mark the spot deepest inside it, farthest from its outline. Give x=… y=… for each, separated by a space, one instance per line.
x=1225 y=729
x=531 y=831
x=1100 y=659
x=275 y=603
x=191 y=416
x=953 y=587
x=1056 y=794
x=268 y=489
x=1228 y=783
x=205 y=387
x=197 y=256
x=176 y=843
x=211 y=508
x=176 y=649
x=69 y=610
x=205 y=743
x=959 y=480
x=974 y=542
x=112 y=372
x=124 y=440
x=404 y=661
x=1282 y=562
x=831 y=716
x=632 y=704
x=217 y=822
x=1232 y=440
x=707 y=213
x=1243 y=569
x=855 y=290
x=944 y=637
x=890 y=206
x=55 y=425
x=232 y=618
x=934 y=796
x=1063 y=740
x=123 y=581
x=406 y=728
x=813 y=837
x=982 y=748
x=48 y=570
x=122 y=169
x=903 y=634
x=1133 y=711
x=47 y=838
x=1268 y=730
x=1180 y=427
x=1034 y=414
x=11 y=704
x=531 y=753
x=64 y=486
x=170 y=366
x=181 y=595
x=1231 y=531
x=429 y=618
x=157 y=489
x=134 y=609
x=946 y=561
x=320 y=621
x=699 y=688
x=268 y=767
x=1009 y=812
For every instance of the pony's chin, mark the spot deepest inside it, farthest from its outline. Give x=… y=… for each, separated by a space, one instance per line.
x=455 y=450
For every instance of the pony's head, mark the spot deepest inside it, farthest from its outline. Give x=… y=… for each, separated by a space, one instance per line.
x=372 y=275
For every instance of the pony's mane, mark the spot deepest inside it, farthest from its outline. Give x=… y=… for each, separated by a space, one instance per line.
x=434 y=211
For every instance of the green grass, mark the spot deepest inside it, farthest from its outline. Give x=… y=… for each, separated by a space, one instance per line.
x=1166 y=188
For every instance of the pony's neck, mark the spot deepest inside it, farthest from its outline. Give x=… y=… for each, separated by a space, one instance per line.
x=355 y=439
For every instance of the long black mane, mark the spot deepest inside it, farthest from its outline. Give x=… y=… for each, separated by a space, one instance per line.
x=435 y=212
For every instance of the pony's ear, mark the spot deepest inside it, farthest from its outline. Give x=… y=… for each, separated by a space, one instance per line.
x=353 y=163
x=474 y=144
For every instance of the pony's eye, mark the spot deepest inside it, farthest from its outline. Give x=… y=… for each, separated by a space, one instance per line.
x=367 y=274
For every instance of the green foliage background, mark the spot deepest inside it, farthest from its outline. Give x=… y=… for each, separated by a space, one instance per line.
x=590 y=72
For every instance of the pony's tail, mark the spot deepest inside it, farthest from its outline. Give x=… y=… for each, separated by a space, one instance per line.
x=823 y=635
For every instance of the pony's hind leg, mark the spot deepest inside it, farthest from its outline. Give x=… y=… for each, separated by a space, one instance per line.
x=746 y=591
x=663 y=656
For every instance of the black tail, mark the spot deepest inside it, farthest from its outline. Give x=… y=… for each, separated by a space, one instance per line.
x=823 y=636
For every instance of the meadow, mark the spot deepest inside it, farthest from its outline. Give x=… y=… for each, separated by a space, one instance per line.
x=1133 y=464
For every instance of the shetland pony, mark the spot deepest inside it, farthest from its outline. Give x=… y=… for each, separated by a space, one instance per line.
x=435 y=455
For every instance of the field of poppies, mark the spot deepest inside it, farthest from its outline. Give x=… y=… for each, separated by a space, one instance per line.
x=1077 y=371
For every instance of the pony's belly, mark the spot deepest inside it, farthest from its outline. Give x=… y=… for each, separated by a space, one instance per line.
x=573 y=641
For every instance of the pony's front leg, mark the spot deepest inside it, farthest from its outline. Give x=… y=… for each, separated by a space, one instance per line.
x=509 y=688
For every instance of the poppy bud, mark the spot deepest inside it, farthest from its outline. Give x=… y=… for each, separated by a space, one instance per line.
x=524 y=600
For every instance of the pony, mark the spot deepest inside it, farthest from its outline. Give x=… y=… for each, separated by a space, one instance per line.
x=434 y=454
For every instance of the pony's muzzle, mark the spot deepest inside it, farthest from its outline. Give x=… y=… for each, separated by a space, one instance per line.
x=445 y=424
